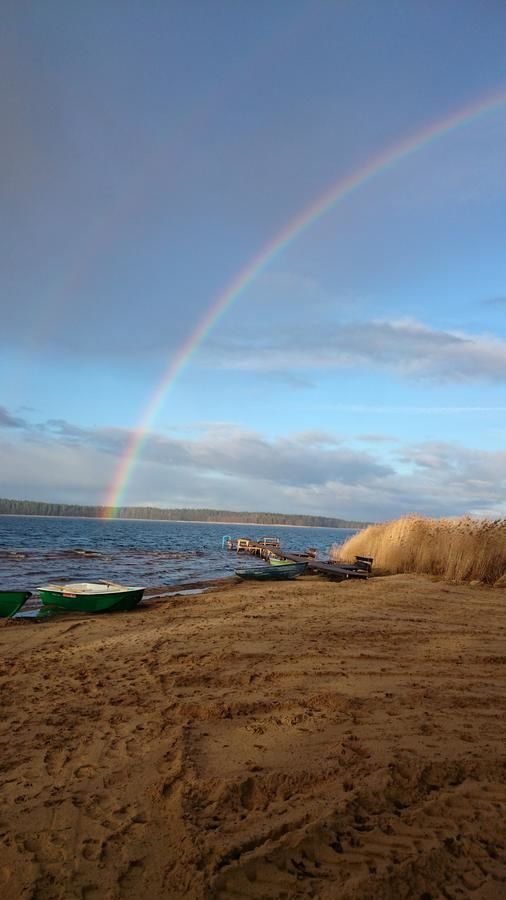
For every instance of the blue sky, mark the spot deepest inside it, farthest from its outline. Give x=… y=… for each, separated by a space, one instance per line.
x=150 y=151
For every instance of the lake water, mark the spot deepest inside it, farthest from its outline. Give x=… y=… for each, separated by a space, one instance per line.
x=37 y=549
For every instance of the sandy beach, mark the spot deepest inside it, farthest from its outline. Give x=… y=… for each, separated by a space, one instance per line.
x=310 y=739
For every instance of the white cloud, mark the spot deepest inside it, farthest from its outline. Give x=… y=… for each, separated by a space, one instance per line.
x=406 y=348
x=227 y=467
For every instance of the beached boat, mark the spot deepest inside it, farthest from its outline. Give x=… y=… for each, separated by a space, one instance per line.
x=89 y=596
x=11 y=602
x=276 y=561
x=272 y=573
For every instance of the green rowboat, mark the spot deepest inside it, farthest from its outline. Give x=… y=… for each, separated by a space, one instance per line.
x=272 y=573
x=11 y=602
x=88 y=596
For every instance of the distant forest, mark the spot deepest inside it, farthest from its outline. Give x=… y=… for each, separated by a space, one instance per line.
x=36 y=508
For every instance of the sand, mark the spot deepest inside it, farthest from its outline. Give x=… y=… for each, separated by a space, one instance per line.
x=307 y=739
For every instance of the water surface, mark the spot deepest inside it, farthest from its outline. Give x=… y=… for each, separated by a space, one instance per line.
x=37 y=549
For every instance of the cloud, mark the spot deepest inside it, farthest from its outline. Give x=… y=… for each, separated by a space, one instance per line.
x=464 y=465
x=52 y=470
x=404 y=348
x=291 y=460
x=224 y=466
x=376 y=438
x=9 y=421
x=316 y=438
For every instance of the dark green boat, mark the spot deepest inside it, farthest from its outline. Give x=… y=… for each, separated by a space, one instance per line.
x=86 y=596
x=272 y=573
x=11 y=602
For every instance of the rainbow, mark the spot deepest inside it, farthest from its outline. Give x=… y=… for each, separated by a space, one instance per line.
x=340 y=189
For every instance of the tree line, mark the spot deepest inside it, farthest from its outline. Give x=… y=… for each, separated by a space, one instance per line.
x=40 y=508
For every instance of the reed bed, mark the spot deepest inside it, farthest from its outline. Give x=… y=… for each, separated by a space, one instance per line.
x=457 y=549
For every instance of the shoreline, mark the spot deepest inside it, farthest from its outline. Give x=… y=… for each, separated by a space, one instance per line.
x=177 y=521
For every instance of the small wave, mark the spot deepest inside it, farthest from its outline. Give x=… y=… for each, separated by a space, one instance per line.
x=12 y=555
x=79 y=553
x=163 y=554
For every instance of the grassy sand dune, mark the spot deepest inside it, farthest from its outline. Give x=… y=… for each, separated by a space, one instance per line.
x=459 y=549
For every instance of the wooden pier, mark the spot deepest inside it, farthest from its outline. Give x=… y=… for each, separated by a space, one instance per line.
x=267 y=546
x=331 y=569
x=264 y=547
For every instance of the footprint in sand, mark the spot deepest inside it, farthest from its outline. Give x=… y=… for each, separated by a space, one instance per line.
x=91 y=892
x=132 y=876
x=85 y=771
x=55 y=761
x=90 y=849
x=6 y=873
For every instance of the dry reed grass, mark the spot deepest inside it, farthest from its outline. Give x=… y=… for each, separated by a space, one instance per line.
x=459 y=549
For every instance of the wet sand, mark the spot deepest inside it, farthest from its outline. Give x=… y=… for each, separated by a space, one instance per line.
x=307 y=739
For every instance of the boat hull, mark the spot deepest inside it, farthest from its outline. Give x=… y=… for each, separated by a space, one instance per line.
x=11 y=602
x=272 y=573
x=94 y=603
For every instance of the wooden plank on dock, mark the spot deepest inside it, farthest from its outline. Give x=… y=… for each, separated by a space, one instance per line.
x=336 y=571
x=325 y=568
